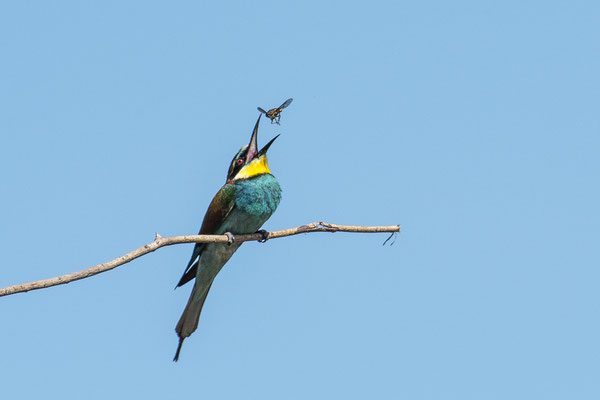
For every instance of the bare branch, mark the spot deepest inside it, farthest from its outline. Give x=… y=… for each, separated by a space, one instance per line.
x=160 y=241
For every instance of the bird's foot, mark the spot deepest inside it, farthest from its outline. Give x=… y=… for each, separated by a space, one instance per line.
x=265 y=235
x=230 y=238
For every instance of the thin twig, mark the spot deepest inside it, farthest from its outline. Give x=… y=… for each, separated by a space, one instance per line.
x=392 y=235
x=160 y=241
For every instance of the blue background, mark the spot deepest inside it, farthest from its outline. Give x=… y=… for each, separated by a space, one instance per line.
x=474 y=125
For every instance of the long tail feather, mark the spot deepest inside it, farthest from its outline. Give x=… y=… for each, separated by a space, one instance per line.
x=189 y=319
x=176 y=358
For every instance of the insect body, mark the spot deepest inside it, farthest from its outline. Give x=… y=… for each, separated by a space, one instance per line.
x=274 y=114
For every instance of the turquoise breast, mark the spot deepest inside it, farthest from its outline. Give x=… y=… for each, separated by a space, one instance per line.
x=255 y=200
x=259 y=195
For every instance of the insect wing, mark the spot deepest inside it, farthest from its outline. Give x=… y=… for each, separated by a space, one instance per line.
x=285 y=104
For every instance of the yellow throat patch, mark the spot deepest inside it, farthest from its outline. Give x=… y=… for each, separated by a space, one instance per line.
x=256 y=167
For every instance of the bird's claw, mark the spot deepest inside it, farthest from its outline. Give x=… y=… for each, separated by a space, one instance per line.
x=230 y=238
x=265 y=235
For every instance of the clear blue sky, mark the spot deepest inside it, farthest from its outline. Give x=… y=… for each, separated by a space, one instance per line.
x=475 y=125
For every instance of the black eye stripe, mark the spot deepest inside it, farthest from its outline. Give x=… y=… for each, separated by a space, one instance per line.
x=238 y=162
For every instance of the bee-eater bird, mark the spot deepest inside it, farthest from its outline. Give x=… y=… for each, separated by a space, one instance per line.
x=246 y=201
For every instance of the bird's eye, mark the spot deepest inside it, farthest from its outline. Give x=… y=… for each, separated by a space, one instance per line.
x=240 y=161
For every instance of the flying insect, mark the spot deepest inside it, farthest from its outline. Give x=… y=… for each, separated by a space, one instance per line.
x=274 y=114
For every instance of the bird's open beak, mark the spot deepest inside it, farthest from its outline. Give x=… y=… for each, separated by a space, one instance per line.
x=253 y=151
x=266 y=147
x=253 y=146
